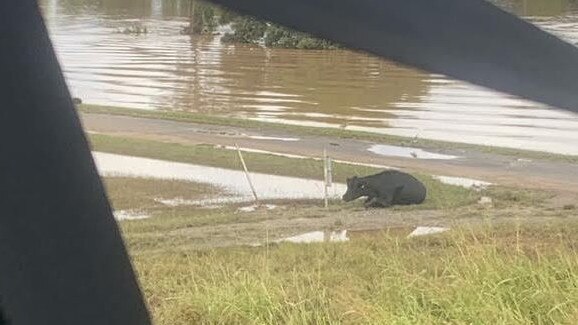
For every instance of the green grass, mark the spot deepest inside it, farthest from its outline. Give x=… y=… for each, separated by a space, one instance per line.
x=503 y=275
x=321 y=132
x=440 y=196
x=140 y=193
x=509 y=273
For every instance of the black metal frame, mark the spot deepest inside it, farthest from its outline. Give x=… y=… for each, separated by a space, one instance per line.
x=62 y=257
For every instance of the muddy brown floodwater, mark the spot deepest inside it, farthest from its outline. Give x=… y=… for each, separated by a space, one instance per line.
x=341 y=89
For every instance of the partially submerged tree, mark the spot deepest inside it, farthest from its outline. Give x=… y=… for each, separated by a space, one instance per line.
x=253 y=31
x=202 y=18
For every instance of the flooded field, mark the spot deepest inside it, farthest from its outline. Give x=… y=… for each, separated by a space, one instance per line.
x=232 y=182
x=164 y=70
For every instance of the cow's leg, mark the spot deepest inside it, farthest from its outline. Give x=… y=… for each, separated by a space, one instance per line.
x=370 y=202
x=383 y=201
x=379 y=202
x=395 y=197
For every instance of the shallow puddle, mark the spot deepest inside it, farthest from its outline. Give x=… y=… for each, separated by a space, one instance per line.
x=231 y=181
x=258 y=137
x=463 y=182
x=424 y=231
x=202 y=203
x=317 y=237
x=406 y=152
x=255 y=207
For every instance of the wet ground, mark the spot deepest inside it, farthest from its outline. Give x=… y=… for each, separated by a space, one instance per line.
x=309 y=225
x=232 y=183
x=502 y=170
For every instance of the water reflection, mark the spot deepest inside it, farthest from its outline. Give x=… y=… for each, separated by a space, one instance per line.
x=341 y=89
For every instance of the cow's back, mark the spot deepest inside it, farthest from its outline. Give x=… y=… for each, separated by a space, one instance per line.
x=406 y=188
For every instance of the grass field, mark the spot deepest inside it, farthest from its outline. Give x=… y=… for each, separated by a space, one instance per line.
x=440 y=196
x=519 y=270
x=505 y=275
x=509 y=273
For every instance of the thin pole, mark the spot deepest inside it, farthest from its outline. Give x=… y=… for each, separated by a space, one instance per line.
x=325 y=178
x=247 y=174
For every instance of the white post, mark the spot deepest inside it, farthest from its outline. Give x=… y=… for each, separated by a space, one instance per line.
x=247 y=174
x=325 y=178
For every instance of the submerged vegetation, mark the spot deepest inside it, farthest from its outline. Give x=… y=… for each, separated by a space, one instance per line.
x=204 y=18
x=253 y=31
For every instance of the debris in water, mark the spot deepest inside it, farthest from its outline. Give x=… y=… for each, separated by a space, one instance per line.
x=422 y=231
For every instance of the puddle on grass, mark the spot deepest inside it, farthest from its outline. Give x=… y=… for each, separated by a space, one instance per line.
x=423 y=231
x=463 y=182
x=407 y=152
x=202 y=203
x=231 y=181
x=255 y=207
x=316 y=237
x=122 y=215
x=347 y=235
x=259 y=137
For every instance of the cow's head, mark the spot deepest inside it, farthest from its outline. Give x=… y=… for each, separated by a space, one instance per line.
x=356 y=188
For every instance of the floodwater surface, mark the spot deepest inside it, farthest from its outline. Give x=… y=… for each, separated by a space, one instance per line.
x=232 y=182
x=164 y=70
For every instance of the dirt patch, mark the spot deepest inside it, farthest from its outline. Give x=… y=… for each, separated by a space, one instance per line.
x=274 y=225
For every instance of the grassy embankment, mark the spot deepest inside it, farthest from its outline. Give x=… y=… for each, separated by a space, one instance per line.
x=487 y=275
x=505 y=274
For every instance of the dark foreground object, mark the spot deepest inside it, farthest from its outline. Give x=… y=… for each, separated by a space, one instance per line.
x=385 y=189
x=63 y=258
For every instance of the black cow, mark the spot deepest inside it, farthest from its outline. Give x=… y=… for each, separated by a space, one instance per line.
x=385 y=189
